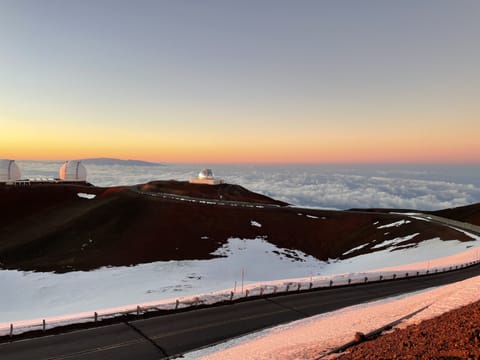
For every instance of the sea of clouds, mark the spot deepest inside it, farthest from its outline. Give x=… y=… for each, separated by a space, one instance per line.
x=422 y=187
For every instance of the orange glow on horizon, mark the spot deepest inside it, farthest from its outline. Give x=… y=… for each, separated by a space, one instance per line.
x=257 y=156
x=406 y=145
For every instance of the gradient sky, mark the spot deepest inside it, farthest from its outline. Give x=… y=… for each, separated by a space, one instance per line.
x=241 y=81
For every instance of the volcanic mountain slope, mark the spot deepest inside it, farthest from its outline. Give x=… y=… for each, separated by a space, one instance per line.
x=50 y=228
x=469 y=213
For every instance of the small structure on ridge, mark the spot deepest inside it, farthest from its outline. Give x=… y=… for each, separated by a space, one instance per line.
x=206 y=177
x=73 y=170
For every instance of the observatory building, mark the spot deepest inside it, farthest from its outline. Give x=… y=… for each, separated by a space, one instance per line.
x=9 y=171
x=206 y=177
x=73 y=170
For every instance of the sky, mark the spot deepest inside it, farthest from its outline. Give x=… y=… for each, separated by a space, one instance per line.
x=241 y=81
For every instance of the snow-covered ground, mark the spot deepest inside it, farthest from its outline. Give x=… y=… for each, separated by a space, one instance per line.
x=264 y=267
x=28 y=295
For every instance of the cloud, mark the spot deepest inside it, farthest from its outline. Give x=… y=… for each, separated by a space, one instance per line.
x=338 y=187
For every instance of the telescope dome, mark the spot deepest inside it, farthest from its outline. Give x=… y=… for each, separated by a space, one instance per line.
x=73 y=170
x=9 y=171
x=206 y=174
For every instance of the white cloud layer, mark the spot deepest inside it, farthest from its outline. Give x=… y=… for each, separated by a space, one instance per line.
x=322 y=186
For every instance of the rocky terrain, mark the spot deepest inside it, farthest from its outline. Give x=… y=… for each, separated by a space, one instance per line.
x=49 y=227
x=454 y=335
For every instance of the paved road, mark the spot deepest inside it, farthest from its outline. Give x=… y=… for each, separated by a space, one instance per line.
x=159 y=337
x=475 y=229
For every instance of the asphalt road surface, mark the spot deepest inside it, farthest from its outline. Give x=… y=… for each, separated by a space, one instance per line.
x=174 y=334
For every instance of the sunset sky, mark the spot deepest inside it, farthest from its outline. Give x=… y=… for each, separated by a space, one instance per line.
x=241 y=81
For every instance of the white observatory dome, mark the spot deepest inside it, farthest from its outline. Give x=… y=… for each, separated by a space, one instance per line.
x=9 y=171
x=206 y=174
x=73 y=170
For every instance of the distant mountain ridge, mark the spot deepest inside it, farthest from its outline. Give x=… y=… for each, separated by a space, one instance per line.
x=114 y=161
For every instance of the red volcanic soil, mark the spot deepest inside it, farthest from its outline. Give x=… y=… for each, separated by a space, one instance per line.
x=49 y=228
x=454 y=335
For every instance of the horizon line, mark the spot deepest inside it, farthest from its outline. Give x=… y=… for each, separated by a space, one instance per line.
x=266 y=163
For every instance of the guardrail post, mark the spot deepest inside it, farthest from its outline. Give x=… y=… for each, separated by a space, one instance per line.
x=43 y=325
x=95 y=316
x=11 y=330
x=310 y=286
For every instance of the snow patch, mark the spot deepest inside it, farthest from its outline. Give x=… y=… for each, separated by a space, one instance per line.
x=86 y=196
x=355 y=249
x=396 y=241
x=395 y=224
x=254 y=223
